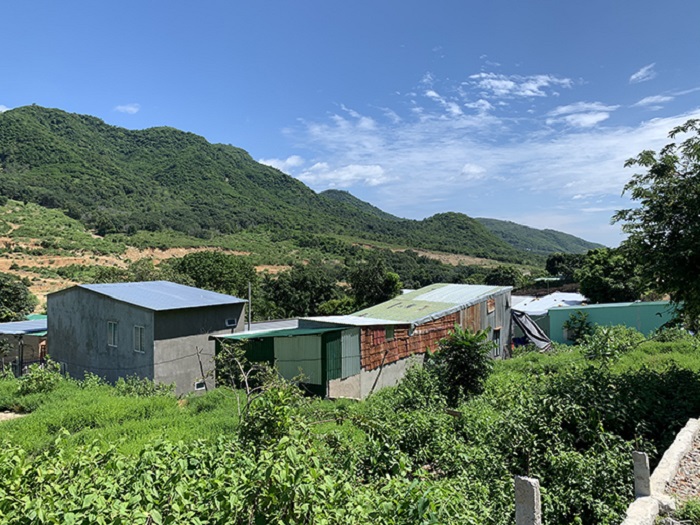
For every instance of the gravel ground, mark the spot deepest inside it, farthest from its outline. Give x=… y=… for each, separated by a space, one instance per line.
x=686 y=484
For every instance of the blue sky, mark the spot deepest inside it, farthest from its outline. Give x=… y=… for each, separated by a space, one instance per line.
x=517 y=110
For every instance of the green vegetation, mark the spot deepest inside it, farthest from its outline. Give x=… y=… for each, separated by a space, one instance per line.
x=609 y=275
x=89 y=452
x=161 y=187
x=16 y=301
x=664 y=230
x=542 y=242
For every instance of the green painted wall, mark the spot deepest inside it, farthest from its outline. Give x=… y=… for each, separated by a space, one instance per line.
x=645 y=317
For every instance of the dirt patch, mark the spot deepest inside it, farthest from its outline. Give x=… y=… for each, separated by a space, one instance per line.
x=455 y=259
x=271 y=269
x=6 y=416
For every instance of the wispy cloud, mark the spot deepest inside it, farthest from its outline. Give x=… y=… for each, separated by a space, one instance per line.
x=644 y=74
x=3 y=108
x=418 y=158
x=654 y=102
x=285 y=165
x=496 y=85
x=129 y=109
x=345 y=176
x=581 y=114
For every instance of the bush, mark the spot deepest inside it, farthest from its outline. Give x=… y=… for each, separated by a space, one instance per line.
x=40 y=378
x=142 y=387
x=462 y=363
x=609 y=342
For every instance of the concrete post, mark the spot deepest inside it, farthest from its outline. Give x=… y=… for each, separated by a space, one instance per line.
x=528 y=510
x=642 y=485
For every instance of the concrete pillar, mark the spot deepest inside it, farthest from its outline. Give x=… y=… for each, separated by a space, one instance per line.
x=528 y=510
x=642 y=485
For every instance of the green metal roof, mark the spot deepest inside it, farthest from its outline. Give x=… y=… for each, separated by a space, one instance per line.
x=277 y=333
x=431 y=302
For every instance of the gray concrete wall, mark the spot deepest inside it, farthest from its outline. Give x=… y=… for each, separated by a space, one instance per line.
x=77 y=327
x=367 y=382
x=182 y=341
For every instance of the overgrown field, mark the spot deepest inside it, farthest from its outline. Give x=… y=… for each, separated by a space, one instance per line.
x=91 y=453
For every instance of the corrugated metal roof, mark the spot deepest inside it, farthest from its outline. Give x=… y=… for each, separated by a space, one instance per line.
x=431 y=302
x=351 y=320
x=280 y=324
x=33 y=327
x=275 y=333
x=162 y=295
x=541 y=305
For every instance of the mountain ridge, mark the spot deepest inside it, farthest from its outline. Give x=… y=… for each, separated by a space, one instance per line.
x=116 y=180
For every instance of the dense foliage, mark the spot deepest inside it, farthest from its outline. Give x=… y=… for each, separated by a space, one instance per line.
x=90 y=453
x=16 y=301
x=541 y=242
x=609 y=275
x=664 y=230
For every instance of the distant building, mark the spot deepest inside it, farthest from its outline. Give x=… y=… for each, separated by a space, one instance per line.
x=24 y=343
x=157 y=330
x=355 y=355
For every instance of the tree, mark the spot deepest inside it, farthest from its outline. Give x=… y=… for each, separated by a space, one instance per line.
x=217 y=271
x=664 y=231
x=16 y=301
x=462 y=363
x=504 y=275
x=371 y=283
x=301 y=290
x=609 y=275
x=564 y=265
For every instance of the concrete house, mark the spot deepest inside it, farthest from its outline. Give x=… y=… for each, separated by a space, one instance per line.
x=355 y=355
x=157 y=330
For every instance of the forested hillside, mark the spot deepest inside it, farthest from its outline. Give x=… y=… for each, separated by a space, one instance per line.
x=537 y=241
x=116 y=180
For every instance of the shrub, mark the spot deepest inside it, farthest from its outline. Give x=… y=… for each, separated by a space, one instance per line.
x=40 y=378
x=609 y=342
x=462 y=363
x=142 y=387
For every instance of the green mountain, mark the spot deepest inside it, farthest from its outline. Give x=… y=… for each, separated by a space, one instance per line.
x=537 y=241
x=115 y=180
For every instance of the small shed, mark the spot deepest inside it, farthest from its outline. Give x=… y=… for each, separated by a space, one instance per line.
x=355 y=355
x=157 y=330
x=538 y=308
x=25 y=342
x=644 y=316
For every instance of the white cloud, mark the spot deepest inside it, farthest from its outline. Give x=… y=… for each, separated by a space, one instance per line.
x=581 y=114
x=497 y=85
x=3 y=108
x=418 y=159
x=644 y=74
x=129 y=109
x=654 y=101
x=285 y=165
x=321 y=174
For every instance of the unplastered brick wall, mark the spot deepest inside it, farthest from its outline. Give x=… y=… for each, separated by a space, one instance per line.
x=377 y=350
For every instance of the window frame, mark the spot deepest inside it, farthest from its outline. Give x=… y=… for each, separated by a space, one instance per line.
x=140 y=340
x=112 y=331
x=201 y=382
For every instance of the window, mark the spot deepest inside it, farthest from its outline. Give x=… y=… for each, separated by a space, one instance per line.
x=139 y=343
x=389 y=334
x=497 y=339
x=200 y=385
x=232 y=323
x=112 y=333
x=490 y=305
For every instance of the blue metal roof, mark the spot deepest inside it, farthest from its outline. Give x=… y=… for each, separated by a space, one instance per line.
x=162 y=295
x=35 y=327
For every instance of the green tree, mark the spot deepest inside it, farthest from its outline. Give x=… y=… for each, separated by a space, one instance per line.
x=504 y=275
x=372 y=283
x=564 y=264
x=664 y=231
x=609 y=275
x=217 y=271
x=301 y=290
x=462 y=363
x=16 y=301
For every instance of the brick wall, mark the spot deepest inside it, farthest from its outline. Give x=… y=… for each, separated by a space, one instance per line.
x=376 y=350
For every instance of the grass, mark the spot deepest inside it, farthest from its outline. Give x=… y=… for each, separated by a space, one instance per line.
x=98 y=414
